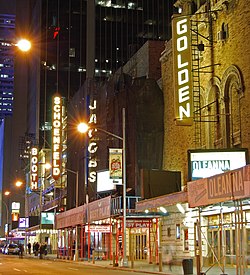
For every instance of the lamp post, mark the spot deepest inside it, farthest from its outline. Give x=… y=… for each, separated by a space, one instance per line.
x=83 y=127
x=7 y=193
x=7 y=217
x=77 y=187
x=46 y=166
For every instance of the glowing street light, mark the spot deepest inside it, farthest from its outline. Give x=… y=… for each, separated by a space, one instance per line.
x=24 y=45
x=19 y=183
x=7 y=193
x=83 y=128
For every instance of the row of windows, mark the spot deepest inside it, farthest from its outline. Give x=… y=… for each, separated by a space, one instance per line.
x=6 y=76
x=4 y=93
x=6 y=98
x=6 y=104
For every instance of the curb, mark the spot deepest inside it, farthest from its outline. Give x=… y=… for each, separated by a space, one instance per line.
x=109 y=266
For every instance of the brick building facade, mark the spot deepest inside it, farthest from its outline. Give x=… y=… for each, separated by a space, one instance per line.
x=224 y=82
x=223 y=122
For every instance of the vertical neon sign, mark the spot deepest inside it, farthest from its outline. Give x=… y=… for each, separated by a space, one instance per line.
x=56 y=137
x=182 y=70
x=34 y=168
x=92 y=147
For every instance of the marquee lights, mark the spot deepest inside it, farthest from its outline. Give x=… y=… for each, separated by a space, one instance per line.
x=56 y=137
x=34 y=169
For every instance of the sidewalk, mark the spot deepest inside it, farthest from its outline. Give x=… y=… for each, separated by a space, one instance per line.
x=145 y=267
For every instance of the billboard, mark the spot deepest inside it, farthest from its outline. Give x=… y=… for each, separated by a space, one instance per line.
x=15 y=207
x=47 y=218
x=207 y=163
x=105 y=183
x=23 y=223
x=232 y=185
x=115 y=163
x=182 y=70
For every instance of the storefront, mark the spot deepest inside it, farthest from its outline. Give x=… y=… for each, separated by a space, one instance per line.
x=100 y=233
x=209 y=222
x=224 y=218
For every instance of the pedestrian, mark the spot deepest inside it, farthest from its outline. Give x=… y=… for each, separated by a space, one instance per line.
x=29 y=248
x=37 y=246
x=73 y=248
x=21 y=250
x=41 y=250
x=45 y=248
x=169 y=259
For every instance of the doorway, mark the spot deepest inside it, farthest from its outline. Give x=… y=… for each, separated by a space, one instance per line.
x=138 y=245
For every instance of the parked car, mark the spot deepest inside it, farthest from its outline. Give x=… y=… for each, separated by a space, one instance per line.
x=12 y=248
x=2 y=247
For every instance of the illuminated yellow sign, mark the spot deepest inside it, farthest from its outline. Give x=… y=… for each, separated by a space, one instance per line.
x=34 y=168
x=56 y=137
x=182 y=70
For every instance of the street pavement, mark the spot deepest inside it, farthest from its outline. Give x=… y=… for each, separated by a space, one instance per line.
x=145 y=267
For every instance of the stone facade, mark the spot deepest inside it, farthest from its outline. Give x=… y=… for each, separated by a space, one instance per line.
x=224 y=85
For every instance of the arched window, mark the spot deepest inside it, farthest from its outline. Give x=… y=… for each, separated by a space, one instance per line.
x=232 y=87
x=213 y=115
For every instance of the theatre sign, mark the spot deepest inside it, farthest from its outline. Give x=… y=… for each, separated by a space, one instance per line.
x=231 y=185
x=56 y=137
x=182 y=70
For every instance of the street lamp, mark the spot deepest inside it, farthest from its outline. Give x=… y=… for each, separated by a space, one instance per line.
x=7 y=217
x=77 y=186
x=46 y=166
x=24 y=45
x=7 y=193
x=83 y=128
x=18 y=184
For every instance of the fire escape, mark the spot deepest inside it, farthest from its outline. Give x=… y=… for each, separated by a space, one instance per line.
x=198 y=46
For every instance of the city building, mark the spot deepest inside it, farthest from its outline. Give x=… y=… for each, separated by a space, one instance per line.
x=14 y=124
x=7 y=34
x=207 y=222
x=7 y=31
x=67 y=58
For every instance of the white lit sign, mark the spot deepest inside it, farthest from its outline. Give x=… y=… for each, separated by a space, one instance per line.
x=182 y=70
x=56 y=137
x=34 y=169
x=205 y=164
x=92 y=148
x=23 y=222
x=105 y=183
x=15 y=206
x=47 y=218
x=98 y=228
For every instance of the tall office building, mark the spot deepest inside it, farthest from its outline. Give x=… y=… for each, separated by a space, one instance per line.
x=13 y=91
x=7 y=29
x=7 y=33
x=80 y=39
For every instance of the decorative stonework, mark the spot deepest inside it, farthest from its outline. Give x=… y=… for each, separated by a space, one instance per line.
x=232 y=76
